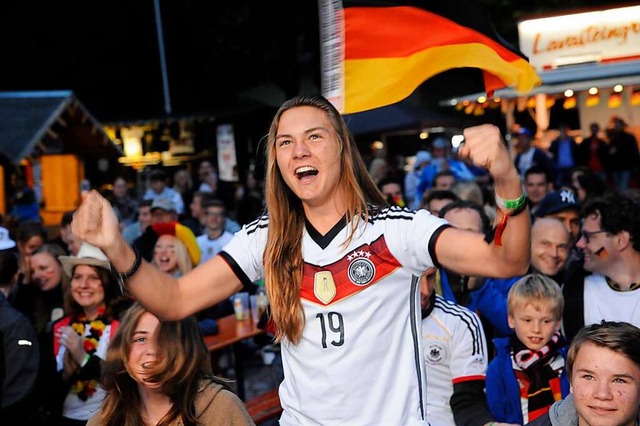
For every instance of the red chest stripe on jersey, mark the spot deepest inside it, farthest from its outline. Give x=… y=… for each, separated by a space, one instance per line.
x=377 y=253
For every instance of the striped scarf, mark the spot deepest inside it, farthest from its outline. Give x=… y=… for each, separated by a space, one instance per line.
x=540 y=383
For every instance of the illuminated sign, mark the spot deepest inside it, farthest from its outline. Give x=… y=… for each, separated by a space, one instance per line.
x=601 y=36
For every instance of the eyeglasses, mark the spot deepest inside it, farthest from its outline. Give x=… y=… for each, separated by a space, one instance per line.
x=587 y=235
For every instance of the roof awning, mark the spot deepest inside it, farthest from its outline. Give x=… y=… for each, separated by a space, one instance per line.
x=50 y=122
x=574 y=77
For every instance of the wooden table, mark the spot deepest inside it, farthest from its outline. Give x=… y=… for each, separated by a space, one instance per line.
x=230 y=333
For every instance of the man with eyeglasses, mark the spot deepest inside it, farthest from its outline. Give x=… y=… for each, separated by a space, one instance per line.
x=608 y=286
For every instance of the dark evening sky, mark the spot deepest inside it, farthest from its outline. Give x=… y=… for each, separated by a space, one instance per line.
x=107 y=51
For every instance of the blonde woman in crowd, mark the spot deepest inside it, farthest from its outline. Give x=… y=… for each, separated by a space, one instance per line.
x=176 y=251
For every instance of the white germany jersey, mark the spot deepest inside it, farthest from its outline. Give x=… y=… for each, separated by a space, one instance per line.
x=209 y=248
x=455 y=351
x=601 y=302
x=360 y=360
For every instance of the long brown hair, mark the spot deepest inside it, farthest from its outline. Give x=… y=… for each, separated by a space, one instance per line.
x=283 y=254
x=182 y=362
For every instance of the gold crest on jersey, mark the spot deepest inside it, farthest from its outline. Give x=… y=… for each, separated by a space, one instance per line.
x=324 y=287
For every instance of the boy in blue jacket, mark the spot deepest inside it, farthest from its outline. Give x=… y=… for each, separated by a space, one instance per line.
x=528 y=373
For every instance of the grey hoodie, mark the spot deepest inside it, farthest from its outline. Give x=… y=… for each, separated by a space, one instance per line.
x=561 y=413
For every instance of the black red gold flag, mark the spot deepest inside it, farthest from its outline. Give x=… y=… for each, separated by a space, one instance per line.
x=376 y=53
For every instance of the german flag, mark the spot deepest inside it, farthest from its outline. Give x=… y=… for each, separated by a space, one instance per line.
x=376 y=53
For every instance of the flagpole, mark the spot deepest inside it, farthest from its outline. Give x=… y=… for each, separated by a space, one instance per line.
x=163 y=61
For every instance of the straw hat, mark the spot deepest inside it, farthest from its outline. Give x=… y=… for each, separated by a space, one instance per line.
x=5 y=240
x=87 y=255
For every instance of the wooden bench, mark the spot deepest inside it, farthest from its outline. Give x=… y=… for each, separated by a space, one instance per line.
x=264 y=407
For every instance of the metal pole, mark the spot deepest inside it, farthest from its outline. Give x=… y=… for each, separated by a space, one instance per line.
x=163 y=61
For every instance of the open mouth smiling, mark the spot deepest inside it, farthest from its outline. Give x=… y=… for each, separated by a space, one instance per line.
x=302 y=172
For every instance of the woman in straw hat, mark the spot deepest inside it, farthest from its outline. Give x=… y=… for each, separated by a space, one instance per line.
x=81 y=338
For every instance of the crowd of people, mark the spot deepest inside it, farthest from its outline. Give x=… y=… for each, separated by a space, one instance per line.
x=477 y=288
x=61 y=307
x=584 y=269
